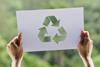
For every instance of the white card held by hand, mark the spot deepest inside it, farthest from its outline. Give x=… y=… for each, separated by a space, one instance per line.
x=50 y=29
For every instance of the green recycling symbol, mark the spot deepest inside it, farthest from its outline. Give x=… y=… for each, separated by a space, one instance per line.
x=43 y=31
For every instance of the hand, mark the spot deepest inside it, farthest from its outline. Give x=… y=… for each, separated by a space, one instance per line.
x=85 y=47
x=15 y=49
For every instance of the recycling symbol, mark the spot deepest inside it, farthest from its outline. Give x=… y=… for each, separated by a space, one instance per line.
x=55 y=38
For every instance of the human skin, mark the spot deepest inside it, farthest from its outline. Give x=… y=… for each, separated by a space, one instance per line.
x=15 y=50
x=85 y=47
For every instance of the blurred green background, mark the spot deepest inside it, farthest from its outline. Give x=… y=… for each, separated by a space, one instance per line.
x=68 y=58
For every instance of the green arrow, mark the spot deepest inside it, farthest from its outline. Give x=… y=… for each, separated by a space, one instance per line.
x=47 y=39
x=42 y=36
x=62 y=31
x=57 y=38
x=42 y=33
x=46 y=21
x=53 y=19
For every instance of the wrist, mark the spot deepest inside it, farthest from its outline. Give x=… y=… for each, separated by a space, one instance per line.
x=16 y=63
x=88 y=61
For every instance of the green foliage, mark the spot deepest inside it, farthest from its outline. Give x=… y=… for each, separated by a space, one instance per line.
x=8 y=29
x=34 y=61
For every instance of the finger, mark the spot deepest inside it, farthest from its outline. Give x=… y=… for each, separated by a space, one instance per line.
x=15 y=42
x=11 y=46
x=19 y=39
x=82 y=31
x=14 y=45
x=8 y=46
x=82 y=34
x=86 y=34
x=84 y=37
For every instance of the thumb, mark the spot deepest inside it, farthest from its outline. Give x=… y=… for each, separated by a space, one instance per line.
x=19 y=39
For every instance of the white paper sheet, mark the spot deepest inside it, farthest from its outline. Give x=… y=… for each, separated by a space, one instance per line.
x=32 y=24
